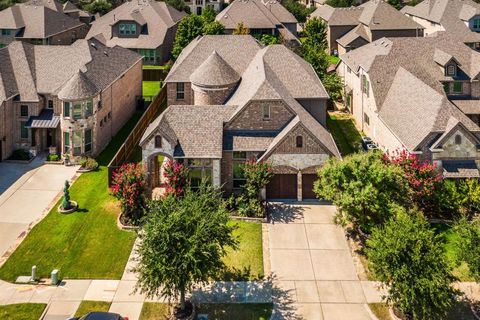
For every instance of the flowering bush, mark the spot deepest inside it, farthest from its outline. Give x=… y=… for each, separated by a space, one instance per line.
x=129 y=186
x=422 y=176
x=176 y=175
x=258 y=175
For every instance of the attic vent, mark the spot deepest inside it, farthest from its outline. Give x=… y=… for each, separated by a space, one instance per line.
x=105 y=53
x=93 y=45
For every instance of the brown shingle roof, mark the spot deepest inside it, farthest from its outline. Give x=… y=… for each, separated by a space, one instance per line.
x=157 y=15
x=338 y=16
x=214 y=72
x=379 y=15
x=78 y=87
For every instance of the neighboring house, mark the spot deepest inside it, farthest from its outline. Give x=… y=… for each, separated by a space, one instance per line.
x=352 y=27
x=147 y=27
x=268 y=17
x=459 y=18
x=65 y=99
x=230 y=100
x=419 y=94
x=37 y=23
x=67 y=8
x=198 y=6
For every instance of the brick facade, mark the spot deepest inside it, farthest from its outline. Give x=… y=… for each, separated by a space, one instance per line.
x=251 y=117
x=207 y=97
x=172 y=94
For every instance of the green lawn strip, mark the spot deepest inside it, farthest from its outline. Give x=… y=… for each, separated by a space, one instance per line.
x=449 y=238
x=380 y=310
x=88 y=306
x=344 y=133
x=236 y=311
x=245 y=263
x=153 y=67
x=86 y=243
x=333 y=59
x=22 y=311
x=151 y=88
x=215 y=311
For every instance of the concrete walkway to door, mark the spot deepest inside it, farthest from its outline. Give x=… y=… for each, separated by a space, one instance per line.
x=311 y=261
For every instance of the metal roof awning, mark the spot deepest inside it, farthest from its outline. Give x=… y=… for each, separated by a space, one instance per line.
x=46 y=119
x=460 y=169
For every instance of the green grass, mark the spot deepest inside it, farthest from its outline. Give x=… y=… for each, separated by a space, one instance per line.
x=86 y=243
x=460 y=311
x=215 y=311
x=450 y=239
x=153 y=67
x=245 y=263
x=344 y=132
x=151 y=88
x=22 y=311
x=88 y=306
x=380 y=310
x=333 y=59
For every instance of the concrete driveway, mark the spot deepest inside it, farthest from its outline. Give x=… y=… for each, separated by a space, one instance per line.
x=312 y=266
x=26 y=191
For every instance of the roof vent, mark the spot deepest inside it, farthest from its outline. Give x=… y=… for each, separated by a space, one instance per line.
x=93 y=44
x=105 y=53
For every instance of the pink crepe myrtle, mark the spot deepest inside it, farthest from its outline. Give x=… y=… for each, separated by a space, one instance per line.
x=128 y=186
x=176 y=175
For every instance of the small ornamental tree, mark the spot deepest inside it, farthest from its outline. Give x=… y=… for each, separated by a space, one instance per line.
x=129 y=187
x=363 y=187
x=258 y=175
x=468 y=242
x=241 y=29
x=469 y=196
x=423 y=177
x=409 y=259
x=182 y=244
x=66 y=204
x=176 y=175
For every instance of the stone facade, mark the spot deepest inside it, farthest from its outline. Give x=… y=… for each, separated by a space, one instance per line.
x=251 y=117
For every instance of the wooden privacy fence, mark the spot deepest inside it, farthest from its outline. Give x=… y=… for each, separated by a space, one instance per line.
x=154 y=74
x=128 y=147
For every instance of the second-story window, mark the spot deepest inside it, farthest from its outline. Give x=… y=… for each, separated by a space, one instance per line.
x=446 y=87
x=365 y=85
x=23 y=111
x=158 y=141
x=77 y=110
x=266 y=113
x=458 y=139
x=6 y=32
x=476 y=23
x=299 y=141
x=451 y=70
x=180 y=91
x=457 y=87
x=127 y=29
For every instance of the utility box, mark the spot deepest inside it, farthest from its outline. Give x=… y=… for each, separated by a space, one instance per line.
x=34 y=273
x=54 y=277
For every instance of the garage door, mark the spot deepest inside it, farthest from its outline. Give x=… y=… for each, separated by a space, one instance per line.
x=282 y=186
x=307 y=186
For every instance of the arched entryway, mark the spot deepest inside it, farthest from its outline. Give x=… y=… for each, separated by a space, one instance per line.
x=154 y=168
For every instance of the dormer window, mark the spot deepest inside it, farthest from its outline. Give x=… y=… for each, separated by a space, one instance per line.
x=451 y=70
x=266 y=113
x=158 y=141
x=299 y=141
x=127 y=29
x=476 y=23
x=458 y=139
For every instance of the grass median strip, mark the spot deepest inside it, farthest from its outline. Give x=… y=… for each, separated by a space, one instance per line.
x=88 y=306
x=22 y=311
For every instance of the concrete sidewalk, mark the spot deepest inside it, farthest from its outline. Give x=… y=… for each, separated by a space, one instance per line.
x=27 y=191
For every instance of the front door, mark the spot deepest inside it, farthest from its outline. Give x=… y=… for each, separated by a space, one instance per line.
x=50 y=138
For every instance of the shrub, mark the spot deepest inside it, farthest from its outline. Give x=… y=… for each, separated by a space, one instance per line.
x=258 y=175
x=468 y=242
x=88 y=163
x=409 y=259
x=66 y=204
x=53 y=157
x=176 y=175
x=129 y=186
x=21 y=154
x=363 y=187
x=246 y=207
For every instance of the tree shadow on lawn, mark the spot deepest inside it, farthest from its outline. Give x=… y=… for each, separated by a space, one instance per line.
x=283 y=212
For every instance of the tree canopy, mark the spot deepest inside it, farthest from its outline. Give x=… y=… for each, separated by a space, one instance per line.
x=299 y=10
x=407 y=256
x=183 y=242
x=468 y=242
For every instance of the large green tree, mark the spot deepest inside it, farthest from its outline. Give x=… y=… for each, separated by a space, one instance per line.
x=340 y=3
x=315 y=33
x=409 y=259
x=182 y=243
x=363 y=187
x=468 y=243
x=299 y=10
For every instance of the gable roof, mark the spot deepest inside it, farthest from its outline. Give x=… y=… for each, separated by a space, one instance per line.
x=36 y=21
x=406 y=84
x=338 y=16
x=379 y=15
x=357 y=32
x=451 y=14
x=254 y=14
x=157 y=15
x=30 y=70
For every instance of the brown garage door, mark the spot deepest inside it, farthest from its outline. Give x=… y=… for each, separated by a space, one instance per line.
x=307 y=186
x=282 y=186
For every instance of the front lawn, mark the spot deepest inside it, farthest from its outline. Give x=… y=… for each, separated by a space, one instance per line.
x=344 y=132
x=88 y=306
x=151 y=88
x=460 y=311
x=86 y=243
x=22 y=311
x=245 y=263
x=215 y=311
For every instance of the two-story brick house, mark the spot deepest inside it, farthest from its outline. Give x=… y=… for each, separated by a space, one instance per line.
x=353 y=27
x=419 y=94
x=146 y=27
x=229 y=100
x=69 y=98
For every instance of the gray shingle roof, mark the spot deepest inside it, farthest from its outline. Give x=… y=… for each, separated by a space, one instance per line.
x=357 y=32
x=214 y=72
x=78 y=87
x=379 y=15
x=30 y=70
x=248 y=140
x=468 y=106
x=255 y=14
x=451 y=14
x=36 y=21
x=156 y=14
x=338 y=16
x=405 y=80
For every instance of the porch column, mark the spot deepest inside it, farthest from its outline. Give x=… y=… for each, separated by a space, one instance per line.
x=216 y=177
x=299 y=186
